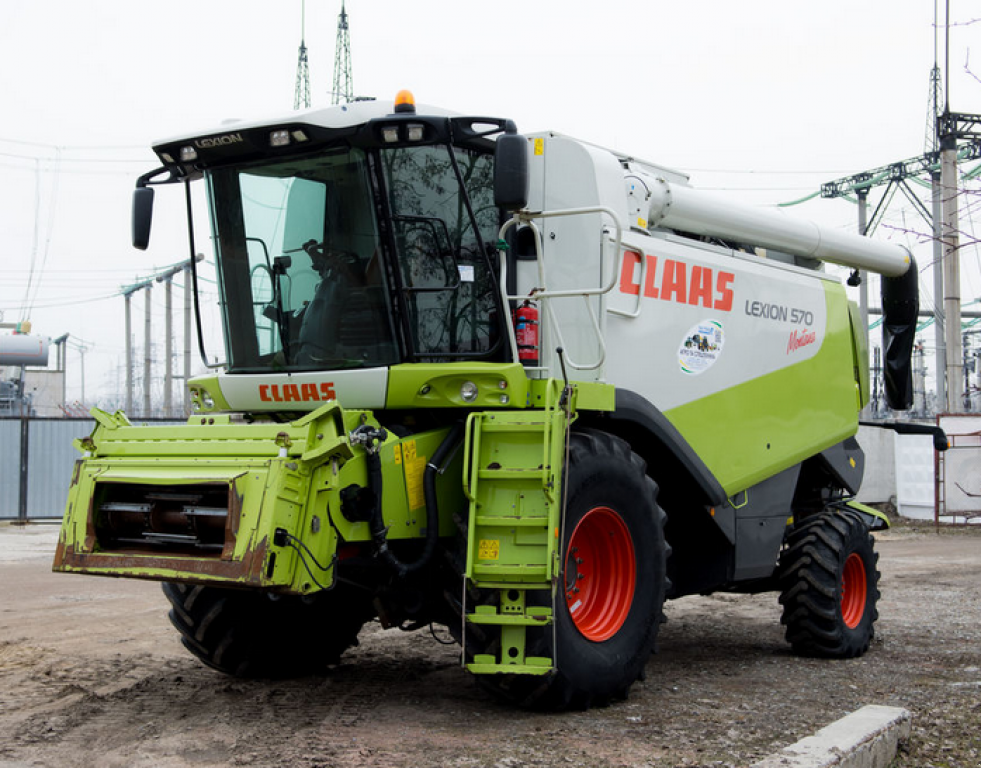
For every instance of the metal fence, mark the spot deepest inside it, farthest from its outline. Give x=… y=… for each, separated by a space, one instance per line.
x=36 y=462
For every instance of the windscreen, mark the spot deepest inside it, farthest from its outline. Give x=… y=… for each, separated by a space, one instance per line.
x=300 y=271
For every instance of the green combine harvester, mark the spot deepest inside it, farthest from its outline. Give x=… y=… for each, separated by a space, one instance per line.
x=522 y=387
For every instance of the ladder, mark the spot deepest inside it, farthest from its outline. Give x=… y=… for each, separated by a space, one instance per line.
x=513 y=474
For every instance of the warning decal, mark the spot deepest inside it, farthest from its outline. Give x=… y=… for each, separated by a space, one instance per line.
x=488 y=549
x=414 y=467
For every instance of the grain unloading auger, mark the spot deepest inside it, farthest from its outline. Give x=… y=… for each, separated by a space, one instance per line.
x=523 y=387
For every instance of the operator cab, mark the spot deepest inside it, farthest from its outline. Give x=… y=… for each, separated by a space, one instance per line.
x=354 y=237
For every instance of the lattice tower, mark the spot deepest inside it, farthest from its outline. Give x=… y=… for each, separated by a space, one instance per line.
x=935 y=106
x=301 y=95
x=343 y=91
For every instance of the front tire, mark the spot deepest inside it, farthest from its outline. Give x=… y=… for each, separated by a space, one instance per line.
x=612 y=583
x=830 y=586
x=247 y=634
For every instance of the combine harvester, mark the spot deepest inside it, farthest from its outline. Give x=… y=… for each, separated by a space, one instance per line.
x=523 y=387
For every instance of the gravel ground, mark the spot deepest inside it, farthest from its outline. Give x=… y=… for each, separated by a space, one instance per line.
x=92 y=674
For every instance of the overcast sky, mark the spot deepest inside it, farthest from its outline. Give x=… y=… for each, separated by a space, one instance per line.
x=765 y=99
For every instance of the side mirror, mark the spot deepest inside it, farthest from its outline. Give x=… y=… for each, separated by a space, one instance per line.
x=511 y=169
x=142 y=216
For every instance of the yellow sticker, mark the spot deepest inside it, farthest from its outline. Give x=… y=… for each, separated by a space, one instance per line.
x=489 y=549
x=414 y=468
x=539 y=146
x=398 y=454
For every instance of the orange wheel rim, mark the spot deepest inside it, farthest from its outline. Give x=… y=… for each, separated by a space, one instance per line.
x=853 y=591
x=600 y=574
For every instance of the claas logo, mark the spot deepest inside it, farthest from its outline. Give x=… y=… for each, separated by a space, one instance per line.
x=297 y=393
x=671 y=280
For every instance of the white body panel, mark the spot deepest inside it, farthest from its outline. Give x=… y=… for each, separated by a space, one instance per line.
x=363 y=388
x=776 y=313
x=569 y=174
x=343 y=116
x=709 y=320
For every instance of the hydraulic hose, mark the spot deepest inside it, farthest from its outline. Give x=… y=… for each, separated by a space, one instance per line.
x=379 y=532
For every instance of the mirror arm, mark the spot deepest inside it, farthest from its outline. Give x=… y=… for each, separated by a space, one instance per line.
x=147 y=178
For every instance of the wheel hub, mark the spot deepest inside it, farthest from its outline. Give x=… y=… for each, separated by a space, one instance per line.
x=853 y=591
x=600 y=574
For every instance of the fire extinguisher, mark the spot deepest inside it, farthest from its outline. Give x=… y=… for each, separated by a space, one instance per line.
x=526 y=333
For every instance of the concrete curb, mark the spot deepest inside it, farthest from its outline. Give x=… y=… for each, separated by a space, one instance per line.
x=867 y=738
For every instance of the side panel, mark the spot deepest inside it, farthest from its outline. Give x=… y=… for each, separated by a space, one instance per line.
x=753 y=430
x=569 y=174
x=751 y=361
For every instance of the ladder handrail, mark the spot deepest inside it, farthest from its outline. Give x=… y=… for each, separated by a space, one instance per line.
x=544 y=295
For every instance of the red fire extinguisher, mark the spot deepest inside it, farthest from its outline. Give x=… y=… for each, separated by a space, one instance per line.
x=526 y=333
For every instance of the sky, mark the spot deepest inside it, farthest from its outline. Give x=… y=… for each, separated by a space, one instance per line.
x=761 y=100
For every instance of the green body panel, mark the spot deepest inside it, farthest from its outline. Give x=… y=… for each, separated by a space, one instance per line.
x=860 y=353
x=272 y=476
x=755 y=430
x=585 y=395
x=437 y=385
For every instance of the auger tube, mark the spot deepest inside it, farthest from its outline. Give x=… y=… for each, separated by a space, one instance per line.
x=675 y=206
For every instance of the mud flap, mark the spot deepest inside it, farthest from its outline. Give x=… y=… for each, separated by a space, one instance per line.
x=873 y=518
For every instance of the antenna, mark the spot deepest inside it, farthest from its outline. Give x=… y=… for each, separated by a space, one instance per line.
x=343 y=91
x=301 y=95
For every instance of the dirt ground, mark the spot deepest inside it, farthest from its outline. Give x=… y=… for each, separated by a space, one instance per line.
x=92 y=674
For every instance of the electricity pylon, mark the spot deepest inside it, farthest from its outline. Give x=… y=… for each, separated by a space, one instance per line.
x=343 y=91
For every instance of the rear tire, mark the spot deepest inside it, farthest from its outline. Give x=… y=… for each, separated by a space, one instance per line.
x=248 y=634
x=830 y=586
x=612 y=583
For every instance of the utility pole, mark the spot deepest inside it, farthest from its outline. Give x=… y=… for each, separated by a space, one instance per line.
x=82 y=349
x=343 y=91
x=146 y=351
x=62 y=364
x=950 y=238
x=128 y=295
x=939 y=319
x=919 y=377
x=966 y=345
x=168 y=346
x=167 y=278
x=863 y=279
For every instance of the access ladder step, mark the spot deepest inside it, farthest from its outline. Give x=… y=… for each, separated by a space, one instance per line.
x=513 y=618
x=534 y=616
x=485 y=664
x=482 y=573
x=513 y=520
x=513 y=426
x=513 y=473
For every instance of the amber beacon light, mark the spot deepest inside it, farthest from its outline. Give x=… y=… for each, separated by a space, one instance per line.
x=405 y=102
